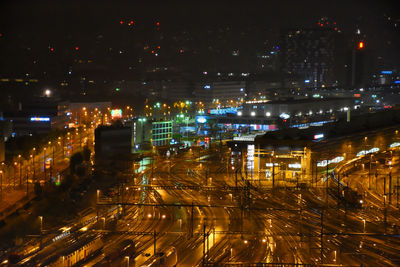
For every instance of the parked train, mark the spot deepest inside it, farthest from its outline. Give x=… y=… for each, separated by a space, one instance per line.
x=117 y=256
x=345 y=195
x=78 y=253
x=165 y=259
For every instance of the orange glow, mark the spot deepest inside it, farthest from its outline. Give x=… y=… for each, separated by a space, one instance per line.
x=360 y=45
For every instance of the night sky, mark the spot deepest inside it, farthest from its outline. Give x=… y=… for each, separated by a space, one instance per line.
x=36 y=25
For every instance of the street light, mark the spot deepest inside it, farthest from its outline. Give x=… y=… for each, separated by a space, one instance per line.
x=364 y=224
x=41 y=223
x=1 y=184
x=20 y=170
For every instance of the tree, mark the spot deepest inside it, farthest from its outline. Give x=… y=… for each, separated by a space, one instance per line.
x=38 y=189
x=86 y=153
x=76 y=159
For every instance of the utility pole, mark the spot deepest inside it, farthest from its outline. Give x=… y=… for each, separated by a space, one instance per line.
x=338 y=189
x=20 y=171
x=390 y=187
x=369 y=173
x=204 y=244
x=312 y=171
x=322 y=237
x=236 y=179
x=192 y=219
x=155 y=238
x=273 y=175
x=397 y=202
x=384 y=185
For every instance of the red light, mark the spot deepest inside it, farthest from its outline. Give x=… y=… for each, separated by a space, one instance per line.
x=131 y=22
x=76 y=48
x=284 y=120
x=334 y=23
x=181 y=51
x=52 y=49
x=360 y=45
x=335 y=28
x=152 y=51
x=322 y=25
x=158 y=23
x=121 y=22
x=158 y=47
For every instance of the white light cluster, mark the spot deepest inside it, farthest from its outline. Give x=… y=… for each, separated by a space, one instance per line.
x=325 y=162
x=295 y=165
x=365 y=152
x=395 y=145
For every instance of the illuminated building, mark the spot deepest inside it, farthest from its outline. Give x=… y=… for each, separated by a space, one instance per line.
x=161 y=133
x=357 y=67
x=310 y=55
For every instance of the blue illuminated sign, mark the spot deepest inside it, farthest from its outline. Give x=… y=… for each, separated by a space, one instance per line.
x=386 y=72
x=41 y=119
x=222 y=111
x=396 y=82
x=201 y=119
x=306 y=81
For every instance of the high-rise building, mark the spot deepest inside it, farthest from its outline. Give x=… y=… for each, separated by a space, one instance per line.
x=310 y=55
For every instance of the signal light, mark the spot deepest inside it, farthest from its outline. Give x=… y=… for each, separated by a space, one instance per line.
x=157 y=24
x=121 y=22
x=76 y=48
x=360 y=45
x=52 y=49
